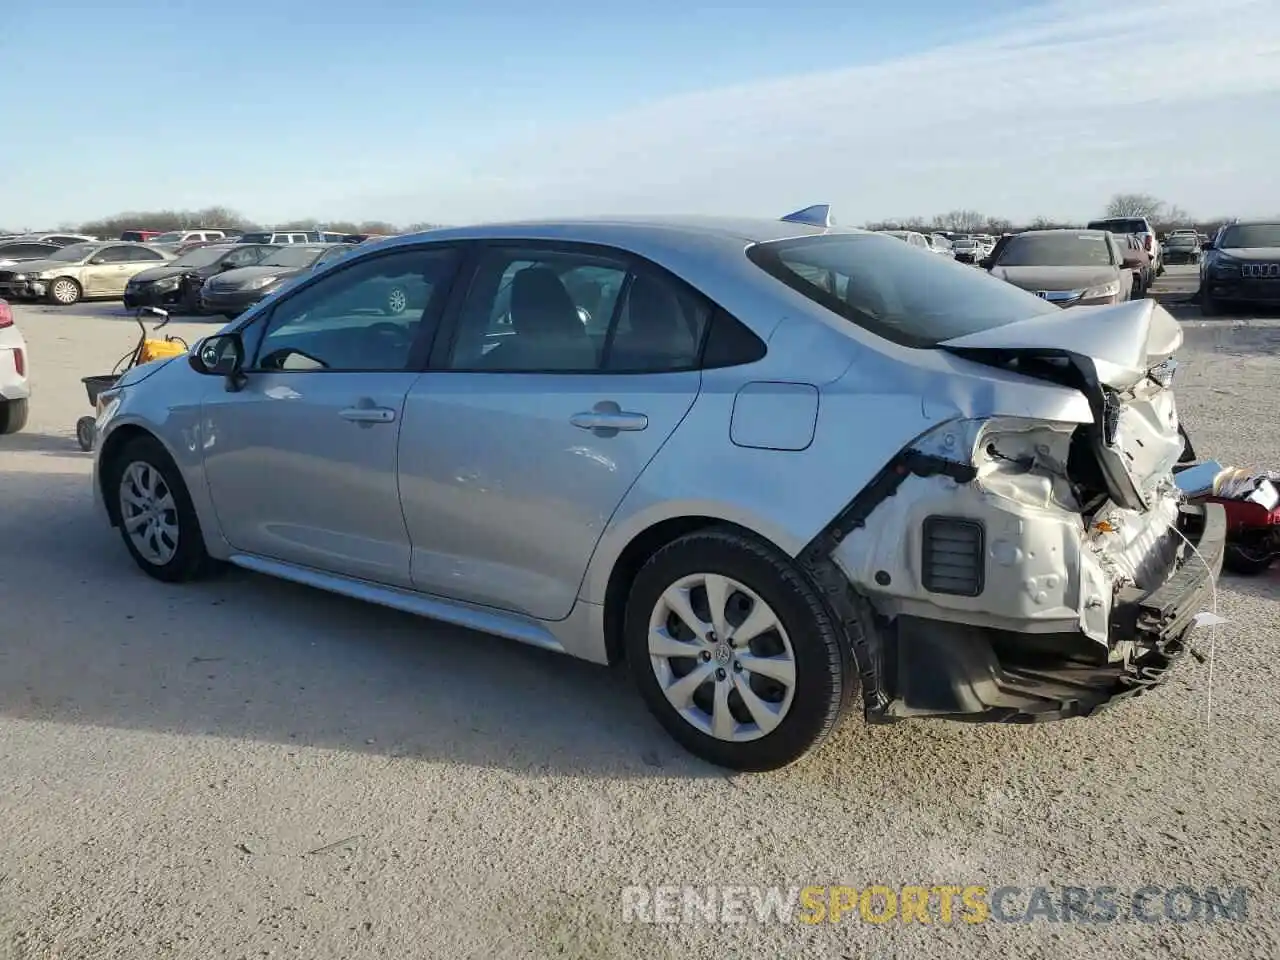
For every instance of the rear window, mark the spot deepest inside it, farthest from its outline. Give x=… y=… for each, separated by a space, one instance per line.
x=1121 y=225
x=885 y=287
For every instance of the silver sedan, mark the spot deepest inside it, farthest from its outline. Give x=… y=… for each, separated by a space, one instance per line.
x=773 y=465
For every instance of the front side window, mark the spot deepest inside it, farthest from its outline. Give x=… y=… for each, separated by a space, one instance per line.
x=364 y=318
x=1057 y=250
x=541 y=311
x=882 y=286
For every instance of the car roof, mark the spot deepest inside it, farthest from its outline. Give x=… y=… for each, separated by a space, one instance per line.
x=1253 y=223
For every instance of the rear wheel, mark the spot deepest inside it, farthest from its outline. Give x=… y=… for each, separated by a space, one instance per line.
x=64 y=292
x=1248 y=560
x=13 y=415
x=157 y=520
x=734 y=651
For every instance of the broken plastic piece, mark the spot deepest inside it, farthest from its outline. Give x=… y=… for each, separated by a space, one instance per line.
x=1208 y=619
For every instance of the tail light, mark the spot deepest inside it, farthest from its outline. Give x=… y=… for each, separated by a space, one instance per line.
x=1147 y=242
x=6 y=314
x=19 y=362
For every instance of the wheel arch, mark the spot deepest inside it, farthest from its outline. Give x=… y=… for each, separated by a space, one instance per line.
x=112 y=444
x=637 y=551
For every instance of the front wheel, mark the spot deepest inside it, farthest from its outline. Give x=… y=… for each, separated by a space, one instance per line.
x=86 y=427
x=734 y=651
x=64 y=292
x=153 y=508
x=1208 y=305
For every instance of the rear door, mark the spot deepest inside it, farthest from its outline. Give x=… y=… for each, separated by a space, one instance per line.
x=107 y=272
x=564 y=371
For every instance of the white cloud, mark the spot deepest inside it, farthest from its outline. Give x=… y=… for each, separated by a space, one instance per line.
x=1050 y=114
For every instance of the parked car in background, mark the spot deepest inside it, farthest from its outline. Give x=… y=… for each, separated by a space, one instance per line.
x=275 y=237
x=968 y=250
x=18 y=251
x=1241 y=266
x=624 y=488
x=910 y=237
x=1139 y=261
x=139 y=236
x=79 y=271
x=1183 y=248
x=1072 y=268
x=61 y=239
x=1139 y=227
x=177 y=238
x=940 y=244
x=235 y=291
x=15 y=387
x=179 y=281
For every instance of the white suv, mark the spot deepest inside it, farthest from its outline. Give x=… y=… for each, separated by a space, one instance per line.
x=14 y=386
x=1139 y=227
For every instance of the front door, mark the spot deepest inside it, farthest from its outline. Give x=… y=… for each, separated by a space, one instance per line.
x=566 y=374
x=301 y=463
x=107 y=272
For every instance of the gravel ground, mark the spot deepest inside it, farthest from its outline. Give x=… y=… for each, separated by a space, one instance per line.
x=246 y=768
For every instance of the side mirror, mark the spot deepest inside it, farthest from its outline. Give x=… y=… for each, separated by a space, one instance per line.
x=221 y=355
x=96 y=261
x=986 y=263
x=1207 y=245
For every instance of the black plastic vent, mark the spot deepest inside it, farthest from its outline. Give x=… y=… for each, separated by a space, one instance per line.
x=953 y=556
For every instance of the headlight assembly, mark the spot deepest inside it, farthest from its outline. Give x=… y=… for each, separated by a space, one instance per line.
x=261 y=282
x=1102 y=290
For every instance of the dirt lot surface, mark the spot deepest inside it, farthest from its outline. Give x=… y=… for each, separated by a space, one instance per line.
x=246 y=768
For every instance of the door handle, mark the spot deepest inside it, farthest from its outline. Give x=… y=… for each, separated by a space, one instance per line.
x=367 y=416
x=607 y=418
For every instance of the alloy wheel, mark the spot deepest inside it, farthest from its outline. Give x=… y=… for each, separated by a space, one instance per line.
x=722 y=657
x=64 y=291
x=149 y=513
x=397 y=300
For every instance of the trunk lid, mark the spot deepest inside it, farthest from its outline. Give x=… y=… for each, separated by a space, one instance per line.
x=1121 y=358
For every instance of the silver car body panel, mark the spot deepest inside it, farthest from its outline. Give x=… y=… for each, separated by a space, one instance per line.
x=438 y=517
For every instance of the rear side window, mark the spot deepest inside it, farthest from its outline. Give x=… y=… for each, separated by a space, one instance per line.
x=885 y=287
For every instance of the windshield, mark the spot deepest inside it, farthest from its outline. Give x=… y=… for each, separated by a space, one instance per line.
x=1184 y=240
x=965 y=244
x=890 y=290
x=74 y=253
x=1251 y=235
x=200 y=257
x=292 y=256
x=1057 y=250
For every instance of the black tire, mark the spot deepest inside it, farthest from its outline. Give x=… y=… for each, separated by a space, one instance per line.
x=824 y=677
x=86 y=427
x=72 y=292
x=13 y=415
x=1247 y=563
x=1209 y=307
x=190 y=560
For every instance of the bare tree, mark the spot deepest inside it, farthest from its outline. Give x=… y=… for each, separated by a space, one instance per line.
x=962 y=221
x=1135 y=205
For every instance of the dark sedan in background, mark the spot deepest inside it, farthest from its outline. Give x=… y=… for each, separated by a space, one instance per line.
x=179 y=281
x=233 y=292
x=1072 y=268
x=1182 y=248
x=1242 y=266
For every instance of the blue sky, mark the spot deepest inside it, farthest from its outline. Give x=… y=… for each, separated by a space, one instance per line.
x=389 y=109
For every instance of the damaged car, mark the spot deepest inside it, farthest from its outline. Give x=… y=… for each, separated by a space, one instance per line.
x=777 y=468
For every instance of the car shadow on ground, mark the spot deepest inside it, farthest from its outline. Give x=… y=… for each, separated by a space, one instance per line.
x=48 y=444
x=89 y=639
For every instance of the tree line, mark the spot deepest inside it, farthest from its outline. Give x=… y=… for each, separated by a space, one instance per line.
x=222 y=217
x=1163 y=216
